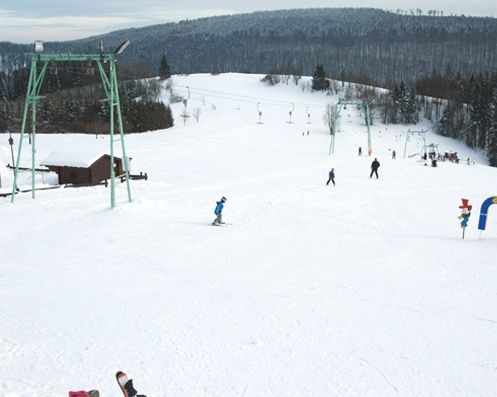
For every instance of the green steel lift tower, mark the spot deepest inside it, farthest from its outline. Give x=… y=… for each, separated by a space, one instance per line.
x=336 y=115
x=419 y=133
x=109 y=81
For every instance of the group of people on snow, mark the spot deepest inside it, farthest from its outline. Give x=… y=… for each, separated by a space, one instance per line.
x=331 y=178
x=374 y=171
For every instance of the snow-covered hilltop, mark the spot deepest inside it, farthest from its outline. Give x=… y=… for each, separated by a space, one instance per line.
x=360 y=289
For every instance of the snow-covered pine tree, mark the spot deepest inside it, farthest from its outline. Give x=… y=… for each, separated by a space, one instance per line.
x=445 y=125
x=3 y=87
x=492 y=130
x=164 y=69
x=460 y=99
x=319 y=80
x=396 y=95
x=408 y=108
x=3 y=103
x=386 y=107
x=479 y=112
x=492 y=144
x=474 y=114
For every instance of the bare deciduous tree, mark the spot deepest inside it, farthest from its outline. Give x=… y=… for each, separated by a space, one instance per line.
x=330 y=117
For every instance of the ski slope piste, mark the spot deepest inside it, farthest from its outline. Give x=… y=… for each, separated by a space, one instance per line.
x=365 y=288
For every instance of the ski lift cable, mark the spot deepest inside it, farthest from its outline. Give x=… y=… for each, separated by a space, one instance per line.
x=200 y=95
x=261 y=102
x=229 y=95
x=207 y=92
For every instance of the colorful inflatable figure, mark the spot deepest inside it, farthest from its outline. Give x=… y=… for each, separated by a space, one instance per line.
x=465 y=214
x=482 y=223
x=465 y=218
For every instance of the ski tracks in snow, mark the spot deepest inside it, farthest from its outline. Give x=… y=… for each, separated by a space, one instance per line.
x=283 y=366
x=379 y=371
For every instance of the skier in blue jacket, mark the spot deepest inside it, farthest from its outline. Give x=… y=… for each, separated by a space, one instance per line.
x=218 y=211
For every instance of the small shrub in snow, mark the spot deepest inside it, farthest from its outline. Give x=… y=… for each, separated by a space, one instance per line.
x=271 y=79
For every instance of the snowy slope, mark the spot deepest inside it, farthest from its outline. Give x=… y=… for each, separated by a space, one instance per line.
x=362 y=289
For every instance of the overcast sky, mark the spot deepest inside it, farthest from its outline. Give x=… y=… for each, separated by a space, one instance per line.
x=24 y=21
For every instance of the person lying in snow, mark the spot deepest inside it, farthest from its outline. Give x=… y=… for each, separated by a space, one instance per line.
x=127 y=385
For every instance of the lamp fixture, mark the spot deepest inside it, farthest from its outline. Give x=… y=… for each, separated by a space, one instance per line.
x=119 y=50
x=38 y=46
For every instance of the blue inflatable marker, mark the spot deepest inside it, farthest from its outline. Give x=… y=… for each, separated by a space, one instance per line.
x=482 y=223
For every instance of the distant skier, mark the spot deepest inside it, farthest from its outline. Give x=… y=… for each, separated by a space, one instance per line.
x=126 y=385
x=360 y=151
x=331 y=177
x=393 y=154
x=218 y=211
x=374 y=168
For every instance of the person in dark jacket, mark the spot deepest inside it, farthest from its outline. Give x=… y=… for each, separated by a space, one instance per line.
x=374 y=168
x=331 y=177
x=218 y=211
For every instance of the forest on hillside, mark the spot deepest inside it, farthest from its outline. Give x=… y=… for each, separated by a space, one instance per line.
x=372 y=45
x=72 y=100
x=441 y=67
x=467 y=111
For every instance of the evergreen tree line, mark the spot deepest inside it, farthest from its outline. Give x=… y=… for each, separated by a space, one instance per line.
x=468 y=110
x=400 y=105
x=378 y=47
x=461 y=108
x=73 y=101
x=470 y=113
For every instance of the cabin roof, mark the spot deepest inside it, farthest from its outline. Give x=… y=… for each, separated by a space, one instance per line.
x=79 y=158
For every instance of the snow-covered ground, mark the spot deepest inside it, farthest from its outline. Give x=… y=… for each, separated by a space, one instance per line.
x=360 y=289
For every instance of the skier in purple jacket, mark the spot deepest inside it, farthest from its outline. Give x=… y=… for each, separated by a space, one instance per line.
x=331 y=176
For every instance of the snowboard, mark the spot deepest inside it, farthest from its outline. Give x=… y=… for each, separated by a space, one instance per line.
x=123 y=381
x=122 y=375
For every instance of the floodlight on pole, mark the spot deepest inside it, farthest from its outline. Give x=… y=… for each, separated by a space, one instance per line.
x=119 y=50
x=38 y=46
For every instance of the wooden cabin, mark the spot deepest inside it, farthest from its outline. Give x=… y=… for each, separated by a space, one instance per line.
x=82 y=168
